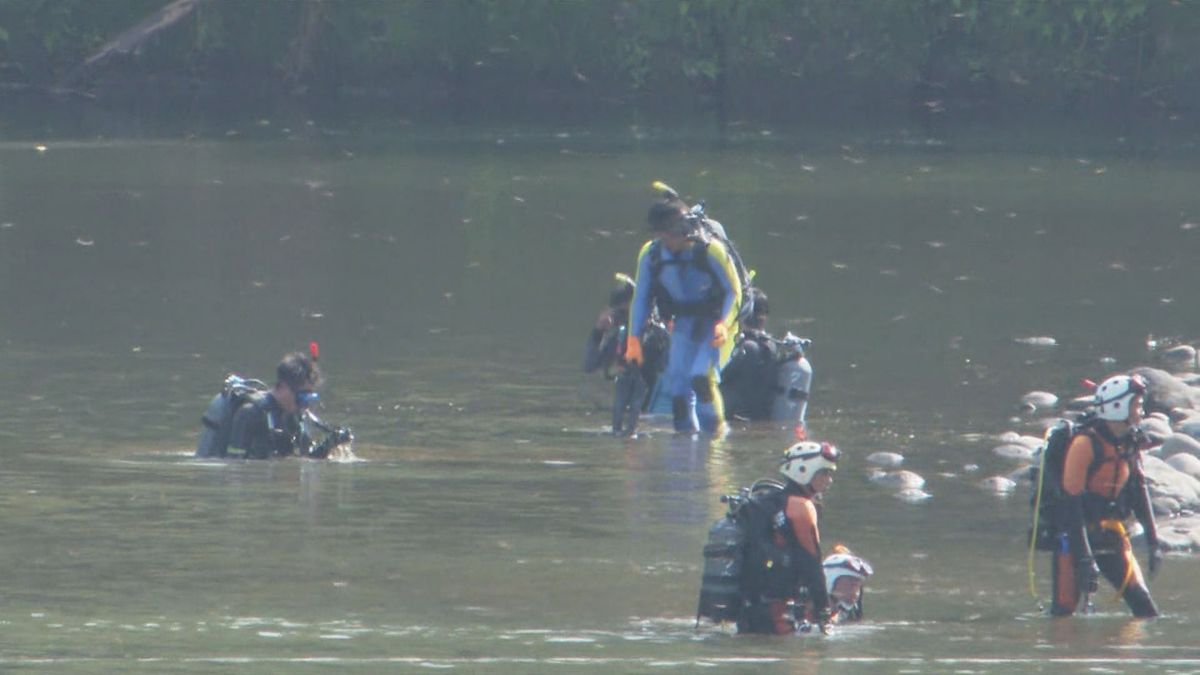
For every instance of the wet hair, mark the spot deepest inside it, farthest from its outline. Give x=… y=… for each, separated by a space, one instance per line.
x=664 y=214
x=299 y=371
x=758 y=316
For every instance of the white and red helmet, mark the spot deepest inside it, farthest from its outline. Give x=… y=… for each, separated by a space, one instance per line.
x=843 y=563
x=804 y=460
x=1114 y=396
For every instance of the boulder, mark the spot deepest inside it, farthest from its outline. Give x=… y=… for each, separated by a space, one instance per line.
x=1022 y=453
x=1185 y=462
x=902 y=479
x=1166 y=481
x=1180 y=443
x=1039 y=399
x=1165 y=391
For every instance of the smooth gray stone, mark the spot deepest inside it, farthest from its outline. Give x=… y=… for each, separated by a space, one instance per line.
x=1167 y=392
x=1039 y=399
x=1187 y=463
x=898 y=479
x=1013 y=451
x=913 y=495
x=998 y=485
x=1177 y=443
x=888 y=460
x=1166 y=481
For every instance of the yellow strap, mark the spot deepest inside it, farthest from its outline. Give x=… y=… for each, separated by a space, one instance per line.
x=1118 y=527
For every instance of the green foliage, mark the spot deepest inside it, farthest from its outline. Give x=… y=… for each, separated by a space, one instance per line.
x=1058 y=50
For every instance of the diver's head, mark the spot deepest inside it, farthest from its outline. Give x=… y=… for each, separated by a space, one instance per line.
x=296 y=380
x=1119 y=399
x=670 y=220
x=759 y=311
x=810 y=465
x=845 y=574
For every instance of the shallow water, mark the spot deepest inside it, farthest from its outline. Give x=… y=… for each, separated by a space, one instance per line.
x=492 y=526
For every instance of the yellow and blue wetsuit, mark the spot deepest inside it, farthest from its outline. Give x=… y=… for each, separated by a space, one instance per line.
x=697 y=289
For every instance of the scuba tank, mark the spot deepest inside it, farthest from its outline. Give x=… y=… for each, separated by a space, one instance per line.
x=792 y=382
x=218 y=418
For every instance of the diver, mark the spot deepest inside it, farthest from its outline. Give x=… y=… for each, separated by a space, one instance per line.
x=845 y=576
x=793 y=595
x=248 y=421
x=634 y=389
x=691 y=278
x=1104 y=485
x=767 y=378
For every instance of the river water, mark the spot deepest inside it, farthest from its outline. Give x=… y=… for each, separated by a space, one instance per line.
x=487 y=523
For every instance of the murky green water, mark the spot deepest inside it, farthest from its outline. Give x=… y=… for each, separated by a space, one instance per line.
x=492 y=527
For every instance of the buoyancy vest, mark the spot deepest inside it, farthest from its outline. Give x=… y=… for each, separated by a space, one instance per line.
x=217 y=420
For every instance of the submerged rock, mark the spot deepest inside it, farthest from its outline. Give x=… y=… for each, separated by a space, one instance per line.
x=1039 y=399
x=998 y=485
x=888 y=460
x=1013 y=451
x=913 y=495
x=903 y=479
x=1179 y=357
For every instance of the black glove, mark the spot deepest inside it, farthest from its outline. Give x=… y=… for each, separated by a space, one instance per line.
x=1156 y=558
x=1087 y=575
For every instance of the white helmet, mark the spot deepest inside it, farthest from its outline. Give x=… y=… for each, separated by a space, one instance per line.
x=803 y=460
x=1115 y=395
x=843 y=563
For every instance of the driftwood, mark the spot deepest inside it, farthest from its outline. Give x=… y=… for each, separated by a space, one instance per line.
x=130 y=40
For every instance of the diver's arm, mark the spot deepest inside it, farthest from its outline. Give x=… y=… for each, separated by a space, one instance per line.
x=1075 y=474
x=639 y=306
x=1142 y=508
x=802 y=516
x=721 y=263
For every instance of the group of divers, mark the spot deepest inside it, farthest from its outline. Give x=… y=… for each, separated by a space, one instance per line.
x=688 y=333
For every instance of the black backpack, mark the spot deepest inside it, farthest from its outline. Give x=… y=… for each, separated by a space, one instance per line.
x=742 y=561
x=1048 y=495
x=748 y=381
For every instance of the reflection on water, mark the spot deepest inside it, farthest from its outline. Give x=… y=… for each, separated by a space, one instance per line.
x=483 y=521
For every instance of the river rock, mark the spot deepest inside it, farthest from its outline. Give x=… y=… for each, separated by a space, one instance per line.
x=1166 y=481
x=1164 y=506
x=1179 y=357
x=1165 y=391
x=903 y=479
x=1179 y=534
x=1039 y=399
x=999 y=485
x=1023 y=475
x=888 y=460
x=1189 y=426
x=1187 y=463
x=913 y=495
x=1081 y=402
x=1037 y=341
x=1157 y=429
x=1014 y=451
x=1177 y=443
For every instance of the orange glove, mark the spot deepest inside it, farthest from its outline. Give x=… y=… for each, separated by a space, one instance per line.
x=720 y=335
x=633 y=350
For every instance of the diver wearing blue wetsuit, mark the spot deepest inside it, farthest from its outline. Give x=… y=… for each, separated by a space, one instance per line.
x=692 y=279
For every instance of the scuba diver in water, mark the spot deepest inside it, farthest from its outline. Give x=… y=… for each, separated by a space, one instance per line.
x=248 y=421
x=767 y=378
x=1103 y=485
x=690 y=276
x=845 y=576
x=634 y=387
x=793 y=593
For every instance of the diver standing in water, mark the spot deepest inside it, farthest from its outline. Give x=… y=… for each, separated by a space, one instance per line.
x=248 y=421
x=1103 y=485
x=791 y=594
x=691 y=278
